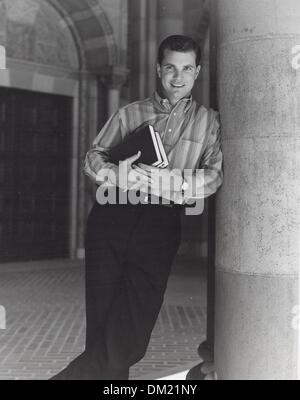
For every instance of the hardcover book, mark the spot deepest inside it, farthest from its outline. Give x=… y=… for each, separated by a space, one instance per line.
x=143 y=139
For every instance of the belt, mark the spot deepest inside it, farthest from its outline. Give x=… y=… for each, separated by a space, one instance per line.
x=154 y=200
x=147 y=199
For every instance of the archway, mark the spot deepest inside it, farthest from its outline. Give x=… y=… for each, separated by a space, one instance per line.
x=61 y=48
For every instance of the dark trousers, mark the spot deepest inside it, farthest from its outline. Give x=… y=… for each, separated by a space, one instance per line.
x=129 y=254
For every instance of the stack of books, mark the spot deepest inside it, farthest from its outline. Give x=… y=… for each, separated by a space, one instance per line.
x=145 y=140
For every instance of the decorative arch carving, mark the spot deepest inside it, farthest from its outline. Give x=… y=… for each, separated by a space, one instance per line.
x=73 y=34
x=98 y=48
x=31 y=31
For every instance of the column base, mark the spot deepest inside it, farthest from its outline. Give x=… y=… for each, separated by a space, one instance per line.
x=255 y=335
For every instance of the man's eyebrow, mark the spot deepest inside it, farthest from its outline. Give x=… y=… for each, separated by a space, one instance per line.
x=187 y=65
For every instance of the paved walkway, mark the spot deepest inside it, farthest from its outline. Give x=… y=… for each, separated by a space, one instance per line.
x=45 y=321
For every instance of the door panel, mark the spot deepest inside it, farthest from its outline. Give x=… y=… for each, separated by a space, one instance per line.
x=34 y=175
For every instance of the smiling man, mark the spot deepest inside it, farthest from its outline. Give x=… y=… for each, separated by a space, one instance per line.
x=177 y=72
x=130 y=247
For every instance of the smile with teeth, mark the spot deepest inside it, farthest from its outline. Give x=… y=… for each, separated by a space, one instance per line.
x=177 y=85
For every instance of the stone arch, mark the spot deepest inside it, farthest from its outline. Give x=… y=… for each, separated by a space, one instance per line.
x=91 y=75
x=83 y=50
x=34 y=30
x=31 y=32
x=91 y=30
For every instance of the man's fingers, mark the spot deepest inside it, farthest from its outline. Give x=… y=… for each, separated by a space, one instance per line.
x=146 y=167
x=135 y=176
x=139 y=184
x=141 y=171
x=133 y=158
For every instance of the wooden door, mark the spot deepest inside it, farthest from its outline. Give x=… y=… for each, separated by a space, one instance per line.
x=34 y=175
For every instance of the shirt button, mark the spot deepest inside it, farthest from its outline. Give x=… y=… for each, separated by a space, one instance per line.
x=170 y=130
x=174 y=114
x=146 y=199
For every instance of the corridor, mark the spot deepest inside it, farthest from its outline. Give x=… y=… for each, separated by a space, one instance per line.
x=45 y=320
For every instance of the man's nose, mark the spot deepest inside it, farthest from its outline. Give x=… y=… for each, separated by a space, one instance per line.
x=177 y=74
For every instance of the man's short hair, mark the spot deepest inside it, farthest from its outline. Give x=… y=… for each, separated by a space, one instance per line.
x=179 y=43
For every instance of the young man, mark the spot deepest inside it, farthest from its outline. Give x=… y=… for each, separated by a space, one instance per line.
x=130 y=248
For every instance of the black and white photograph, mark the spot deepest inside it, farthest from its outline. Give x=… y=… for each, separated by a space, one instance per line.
x=149 y=192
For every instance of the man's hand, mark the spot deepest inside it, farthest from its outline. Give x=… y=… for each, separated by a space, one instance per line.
x=127 y=177
x=161 y=179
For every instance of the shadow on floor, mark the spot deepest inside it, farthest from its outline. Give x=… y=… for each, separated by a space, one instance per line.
x=45 y=320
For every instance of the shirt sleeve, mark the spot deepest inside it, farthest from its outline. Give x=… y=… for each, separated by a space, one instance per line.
x=96 y=162
x=208 y=177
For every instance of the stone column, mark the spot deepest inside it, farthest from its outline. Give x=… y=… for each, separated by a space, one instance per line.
x=82 y=148
x=114 y=78
x=142 y=49
x=113 y=99
x=258 y=207
x=169 y=18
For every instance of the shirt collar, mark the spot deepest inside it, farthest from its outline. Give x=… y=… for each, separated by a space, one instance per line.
x=164 y=104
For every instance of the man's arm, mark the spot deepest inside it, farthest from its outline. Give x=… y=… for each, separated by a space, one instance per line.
x=208 y=177
x=105 y=173
x=188 y=186
x=96 y=159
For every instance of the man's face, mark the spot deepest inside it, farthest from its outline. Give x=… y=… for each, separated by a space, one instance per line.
x=177 y=73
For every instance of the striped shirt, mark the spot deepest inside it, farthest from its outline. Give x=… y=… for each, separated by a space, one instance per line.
x=190 y=134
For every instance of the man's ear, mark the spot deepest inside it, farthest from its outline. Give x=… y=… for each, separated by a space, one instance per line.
x=158 y=69
x=198 y=69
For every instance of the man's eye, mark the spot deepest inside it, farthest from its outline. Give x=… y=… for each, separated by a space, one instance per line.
x=188 y=69
x=168 y=67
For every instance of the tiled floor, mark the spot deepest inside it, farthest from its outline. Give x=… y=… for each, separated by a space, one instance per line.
x=45 y=323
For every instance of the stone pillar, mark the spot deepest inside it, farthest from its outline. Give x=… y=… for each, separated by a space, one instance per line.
x=258 y=207
x=169 y=18
x=142 y=49
x=113 y=78
x=82 y=148
x=113 y=99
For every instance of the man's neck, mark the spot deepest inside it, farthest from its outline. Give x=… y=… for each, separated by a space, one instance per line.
x=171 y=101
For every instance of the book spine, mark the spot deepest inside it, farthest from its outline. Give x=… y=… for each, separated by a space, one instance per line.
x=162 y=150
x=154 y=140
